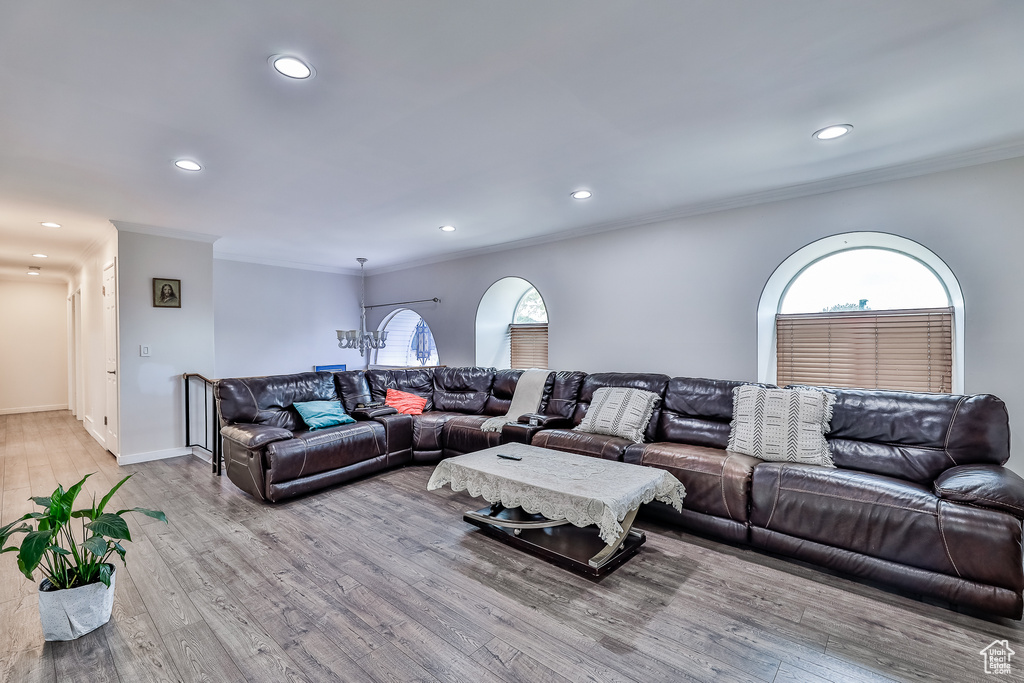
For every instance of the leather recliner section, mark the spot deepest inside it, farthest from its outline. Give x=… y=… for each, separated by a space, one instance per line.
x=427 y=429
x=993 y=599
x=268 y=400
x=601 y=445
x=309 y=453
x=889 y=519
x=463 y=435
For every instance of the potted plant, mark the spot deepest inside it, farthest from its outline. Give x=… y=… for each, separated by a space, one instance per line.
x=76 y=594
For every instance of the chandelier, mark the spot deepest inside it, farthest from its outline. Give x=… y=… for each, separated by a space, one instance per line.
x=361 y=339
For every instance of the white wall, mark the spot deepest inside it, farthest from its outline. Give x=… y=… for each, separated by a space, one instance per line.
x=33 y=346
x=680 y=297
x=89 y=278
x=272 y=320
x=181 y=340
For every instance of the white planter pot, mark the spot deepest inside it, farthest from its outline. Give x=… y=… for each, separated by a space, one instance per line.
x=73 y=612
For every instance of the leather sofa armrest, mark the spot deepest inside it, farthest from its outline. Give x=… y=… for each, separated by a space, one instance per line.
x=989 y=486
x=518 y=433
x=545 y=421
x=254 y=437
x=371 y=413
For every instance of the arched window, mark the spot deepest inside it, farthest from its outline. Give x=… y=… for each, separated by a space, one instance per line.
x=512 y=326
x=864 y=310
x=410 y=342
x=530 y=310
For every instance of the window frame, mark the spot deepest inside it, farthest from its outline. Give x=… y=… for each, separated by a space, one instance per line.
x=790 y=269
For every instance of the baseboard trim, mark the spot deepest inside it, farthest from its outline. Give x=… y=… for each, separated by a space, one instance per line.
x=33 y=409
x=135 y=458
x=202 y=454
x=90 y=427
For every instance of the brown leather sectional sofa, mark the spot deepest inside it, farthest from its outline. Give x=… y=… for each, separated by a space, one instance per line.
x=919 y=499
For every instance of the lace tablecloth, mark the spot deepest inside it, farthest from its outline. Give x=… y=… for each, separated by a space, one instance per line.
x=579 y=489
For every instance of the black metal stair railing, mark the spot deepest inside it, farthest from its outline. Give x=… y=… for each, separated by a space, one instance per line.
x=211 y=442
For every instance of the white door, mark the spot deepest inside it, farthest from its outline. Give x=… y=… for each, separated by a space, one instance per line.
x=79 y=368
x=72 y=373
x=110 y=353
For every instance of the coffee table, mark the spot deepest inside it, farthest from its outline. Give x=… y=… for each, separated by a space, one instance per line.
x=574 y=510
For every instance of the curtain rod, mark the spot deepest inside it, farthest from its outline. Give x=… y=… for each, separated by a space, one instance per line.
x=403 y=303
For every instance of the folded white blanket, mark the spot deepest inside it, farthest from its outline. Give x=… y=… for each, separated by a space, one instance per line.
x=525 y=399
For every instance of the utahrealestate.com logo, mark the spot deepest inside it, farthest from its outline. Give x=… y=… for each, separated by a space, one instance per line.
x=997 y=657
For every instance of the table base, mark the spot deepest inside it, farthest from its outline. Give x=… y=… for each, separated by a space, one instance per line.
x=559 y=542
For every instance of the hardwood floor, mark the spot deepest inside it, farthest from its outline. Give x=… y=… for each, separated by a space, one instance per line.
x=379 y=580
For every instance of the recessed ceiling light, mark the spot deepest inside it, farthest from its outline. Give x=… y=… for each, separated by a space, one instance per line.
x=582 y=194
x=187 y=165
x=447 y=228
x=832 y=132
x=33 y=270
x=50 y=225
x=40 y=255
x=292 y=67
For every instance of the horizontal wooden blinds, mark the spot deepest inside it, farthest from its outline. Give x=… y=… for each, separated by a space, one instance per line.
x=529 y=345
x=909 y=350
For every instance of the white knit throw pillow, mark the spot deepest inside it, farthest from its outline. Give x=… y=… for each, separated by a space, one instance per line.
x=620 y=411
x=782 y=425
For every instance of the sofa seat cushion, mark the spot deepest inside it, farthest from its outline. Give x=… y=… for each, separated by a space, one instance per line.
x=571 y=441
x=717 y=481
x=427 y=429
x=323 y=450
x=463 y=435
x=887 y=518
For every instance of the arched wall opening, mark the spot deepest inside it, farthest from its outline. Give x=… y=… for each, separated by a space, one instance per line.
x=494 y=315
x=788 y=271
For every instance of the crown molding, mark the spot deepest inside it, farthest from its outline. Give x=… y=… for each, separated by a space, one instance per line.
x=912 y=169
x=282 y=263
x=79 y=261
x=157 y=231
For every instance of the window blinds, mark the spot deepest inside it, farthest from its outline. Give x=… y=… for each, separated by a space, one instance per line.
x=909 y=350
x=529 y=345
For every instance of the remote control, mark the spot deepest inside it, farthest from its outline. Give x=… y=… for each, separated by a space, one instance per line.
x=508 y=457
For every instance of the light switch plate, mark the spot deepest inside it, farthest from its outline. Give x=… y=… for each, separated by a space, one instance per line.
x=144 y=350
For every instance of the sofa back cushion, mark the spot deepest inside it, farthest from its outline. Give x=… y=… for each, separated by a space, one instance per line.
x=504 y=387
x=268 y=400
x=697 y=412
x=352 y=389
x=634 y=380
x=565 y=394
x=419 y=381
x=462 y=390
x=916 y=436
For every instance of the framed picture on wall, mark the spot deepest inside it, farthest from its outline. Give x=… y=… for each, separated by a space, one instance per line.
x=166 y=293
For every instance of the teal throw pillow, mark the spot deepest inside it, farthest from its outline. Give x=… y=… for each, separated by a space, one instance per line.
x=320 y=414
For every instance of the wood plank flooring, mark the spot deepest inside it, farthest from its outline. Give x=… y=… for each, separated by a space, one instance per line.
x=379 y=580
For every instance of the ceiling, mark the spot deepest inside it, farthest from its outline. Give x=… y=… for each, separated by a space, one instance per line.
x=483 y=115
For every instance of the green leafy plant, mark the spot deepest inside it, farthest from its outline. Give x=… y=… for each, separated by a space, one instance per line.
x=66 y=558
